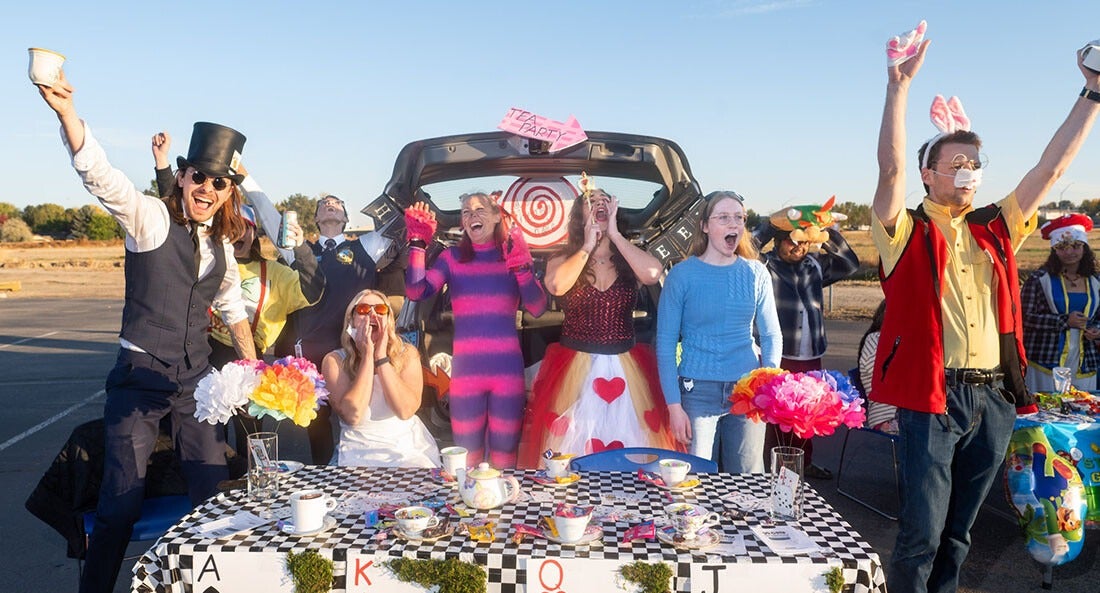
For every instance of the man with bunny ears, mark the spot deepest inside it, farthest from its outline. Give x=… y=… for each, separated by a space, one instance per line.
x=950 y=355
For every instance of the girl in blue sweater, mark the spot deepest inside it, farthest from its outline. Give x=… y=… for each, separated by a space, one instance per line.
x=710 y=304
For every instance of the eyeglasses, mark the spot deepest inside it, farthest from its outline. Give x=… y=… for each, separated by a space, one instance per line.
x=960 y=161
x=366 y=308
x=219 y=183
x=728 y=219
x=1067 y=245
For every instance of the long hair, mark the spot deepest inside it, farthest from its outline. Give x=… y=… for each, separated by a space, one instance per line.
x=394 y=347
x=876 y=325
x=500 y=232
x=745 y=247
x=575 y=241
x=227 y=222
x=1087 y=267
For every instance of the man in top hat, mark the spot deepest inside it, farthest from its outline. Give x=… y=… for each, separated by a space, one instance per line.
x=808 y=254
x=949 y=354
x=178 y=264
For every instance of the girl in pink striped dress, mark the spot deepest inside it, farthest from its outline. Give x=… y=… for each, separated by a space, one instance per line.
x=489 y=276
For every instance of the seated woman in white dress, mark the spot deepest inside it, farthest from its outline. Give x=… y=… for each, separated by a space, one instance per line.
x=375 y=383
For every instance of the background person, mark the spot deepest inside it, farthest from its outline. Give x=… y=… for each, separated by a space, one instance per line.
x=950 y=353
x=880 y=416
x=375 y=384
x=489 y=276
x=711 y=304
x=804 y=260
x=178 y=263
x=597 y=382
x=1060 y=303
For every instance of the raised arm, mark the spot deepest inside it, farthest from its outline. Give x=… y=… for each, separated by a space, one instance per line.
x=60 y=98
x=890 y=194
x=1063 y=146
x=646 y=267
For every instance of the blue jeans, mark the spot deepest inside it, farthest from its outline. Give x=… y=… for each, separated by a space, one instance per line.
x=947 y=464
x=735 y=442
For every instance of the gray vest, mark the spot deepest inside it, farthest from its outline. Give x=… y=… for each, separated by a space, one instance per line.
x=166 y=307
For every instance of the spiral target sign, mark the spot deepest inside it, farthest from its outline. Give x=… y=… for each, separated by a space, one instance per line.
x=540 y=206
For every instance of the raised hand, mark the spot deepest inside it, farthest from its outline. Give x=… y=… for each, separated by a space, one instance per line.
x=420 y=223
x=612 y=217
x=162 y=142
x=516 y=253
x=904 y=47
x=59 y=96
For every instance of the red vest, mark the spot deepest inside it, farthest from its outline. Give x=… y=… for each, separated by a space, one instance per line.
x=909 y=361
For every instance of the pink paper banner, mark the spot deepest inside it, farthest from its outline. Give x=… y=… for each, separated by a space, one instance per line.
x=529 y=125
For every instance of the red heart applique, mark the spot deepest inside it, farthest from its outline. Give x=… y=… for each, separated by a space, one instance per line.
x=559 y=425
x=596 y=445
x=609 y=390
x=653 y=419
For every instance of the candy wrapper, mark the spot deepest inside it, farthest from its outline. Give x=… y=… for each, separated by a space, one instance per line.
x=434 y=503
x=547 y=524
x=651 y=477
x=570 y=510
x=386 y=511
x=442 y=477
x=646 y=530
x=457 y=510
x=482 y=531
x=521 y=531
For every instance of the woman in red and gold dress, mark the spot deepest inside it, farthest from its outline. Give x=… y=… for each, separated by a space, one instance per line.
x=596 y=389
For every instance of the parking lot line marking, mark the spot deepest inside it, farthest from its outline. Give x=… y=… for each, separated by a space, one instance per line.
x=17 y=342
x=58 y=416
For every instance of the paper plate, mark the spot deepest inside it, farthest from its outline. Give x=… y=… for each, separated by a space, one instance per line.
x=328 y=524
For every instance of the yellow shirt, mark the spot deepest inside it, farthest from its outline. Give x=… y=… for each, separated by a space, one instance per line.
x=969 y=313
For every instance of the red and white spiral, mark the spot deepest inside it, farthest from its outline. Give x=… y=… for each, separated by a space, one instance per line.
x=540 y=206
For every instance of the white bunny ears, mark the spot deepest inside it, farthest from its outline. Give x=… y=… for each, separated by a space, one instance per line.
x=901 y=48
x=948 y=116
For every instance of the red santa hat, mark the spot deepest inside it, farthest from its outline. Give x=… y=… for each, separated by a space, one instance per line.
x=1068 y=227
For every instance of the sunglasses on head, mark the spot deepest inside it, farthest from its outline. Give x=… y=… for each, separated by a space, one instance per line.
x=365 y=308
x=219 y=183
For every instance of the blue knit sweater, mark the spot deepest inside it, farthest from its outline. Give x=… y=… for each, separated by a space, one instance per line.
x=712 y=310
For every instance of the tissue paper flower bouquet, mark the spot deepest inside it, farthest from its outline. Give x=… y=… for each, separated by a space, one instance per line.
x=806 y=404
x=287 y=388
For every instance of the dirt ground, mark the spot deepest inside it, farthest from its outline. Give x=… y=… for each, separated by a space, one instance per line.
x=91 y=270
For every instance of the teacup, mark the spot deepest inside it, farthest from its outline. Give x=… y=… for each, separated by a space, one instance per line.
x=558 y=465
x=308 y=509
x=414 y=520
x=1091 y=59
x=571 y=529
x=689 y=519
x=454 y=459
x=45 y=66
x=673 y=471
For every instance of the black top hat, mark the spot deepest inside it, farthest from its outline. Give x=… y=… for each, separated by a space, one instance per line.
x=215 y=150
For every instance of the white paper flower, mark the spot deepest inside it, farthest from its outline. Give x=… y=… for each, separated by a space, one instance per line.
x=221 y=393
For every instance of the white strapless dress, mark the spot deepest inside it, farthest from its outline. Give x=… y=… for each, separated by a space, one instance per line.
x=384 y=440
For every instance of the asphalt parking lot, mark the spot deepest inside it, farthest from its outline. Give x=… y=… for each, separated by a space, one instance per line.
x=55 y=353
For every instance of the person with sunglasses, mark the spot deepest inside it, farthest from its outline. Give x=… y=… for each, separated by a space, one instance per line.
x=375 y=384
x=808 y=253
x=1061 y=303
x=597 y=385
x=178 y=264
x=712 y=305
x=950 y=352
x=488 y=275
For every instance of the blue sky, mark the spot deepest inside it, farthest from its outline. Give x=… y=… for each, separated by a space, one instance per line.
x=779 y=100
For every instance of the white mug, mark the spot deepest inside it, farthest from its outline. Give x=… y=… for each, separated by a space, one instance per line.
x=308 y=509
x=45 y=66
x=1091 y=59
x=673 y=471
x=414 y=520
x=571 y=529
x=454 y=458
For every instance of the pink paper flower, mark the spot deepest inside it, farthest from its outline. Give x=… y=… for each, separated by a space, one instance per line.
x=806 y=404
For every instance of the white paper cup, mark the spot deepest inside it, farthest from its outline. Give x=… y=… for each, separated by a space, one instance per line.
x=1091 y=59
x=308 y=509
x=453 y=459
x=45 y=66
x=571 y=529
x=414 y=520
x=558 y=466
x=673 y=471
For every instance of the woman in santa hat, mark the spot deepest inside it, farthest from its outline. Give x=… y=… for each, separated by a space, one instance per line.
x=1060 y=303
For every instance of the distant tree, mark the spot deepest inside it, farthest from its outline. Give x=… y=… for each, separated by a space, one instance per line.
x=1065 y=205
x=46 y=219
x=306 y=207
x=859 y=215
x=1090 y=207
x=93 y=222
x=9 y=210
x=154 y=189
x=752 y=219
x=14 y=230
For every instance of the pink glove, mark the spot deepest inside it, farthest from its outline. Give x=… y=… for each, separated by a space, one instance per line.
x=516 y=253
x=419 y=225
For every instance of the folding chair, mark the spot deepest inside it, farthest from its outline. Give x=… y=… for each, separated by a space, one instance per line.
x=854 y=375
x=630 y=459
x=157 y=515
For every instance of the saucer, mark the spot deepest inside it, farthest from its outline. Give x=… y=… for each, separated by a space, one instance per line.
x=447 y=532
x=695 y=483
x=288 y=466
x=592 y=534
x=540 y=477
x=707 y=538
x=329 y=523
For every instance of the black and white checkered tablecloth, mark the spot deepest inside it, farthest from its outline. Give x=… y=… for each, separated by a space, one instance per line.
x=165 y=567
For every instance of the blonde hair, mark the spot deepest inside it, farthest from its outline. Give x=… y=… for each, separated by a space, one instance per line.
x=745 y=246
x=395 y=346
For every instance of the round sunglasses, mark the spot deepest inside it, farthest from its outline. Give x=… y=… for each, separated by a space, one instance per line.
x=365 y=308
x=200 y=178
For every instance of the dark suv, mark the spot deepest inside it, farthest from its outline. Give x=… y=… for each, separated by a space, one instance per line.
x=659 y=205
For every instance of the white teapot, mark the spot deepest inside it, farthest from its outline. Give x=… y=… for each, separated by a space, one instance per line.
x=485 y=488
